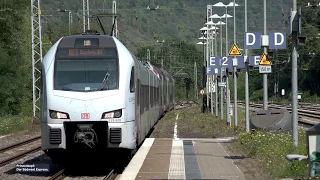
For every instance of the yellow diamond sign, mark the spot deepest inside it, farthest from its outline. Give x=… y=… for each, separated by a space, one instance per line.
x=234 y=51
x=264 y=60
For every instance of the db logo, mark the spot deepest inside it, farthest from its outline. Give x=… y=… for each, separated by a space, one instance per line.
x=85 y=115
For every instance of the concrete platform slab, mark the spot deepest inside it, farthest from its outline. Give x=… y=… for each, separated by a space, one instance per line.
x=182 y=159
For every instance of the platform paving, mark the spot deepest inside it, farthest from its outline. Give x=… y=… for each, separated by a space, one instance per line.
x=182 y=159
x=156 y=164
x=215 y=162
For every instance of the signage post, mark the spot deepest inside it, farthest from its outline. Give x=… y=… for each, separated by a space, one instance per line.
x=234 y=51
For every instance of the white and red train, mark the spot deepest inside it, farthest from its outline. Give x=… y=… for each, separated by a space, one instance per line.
x=97 y=96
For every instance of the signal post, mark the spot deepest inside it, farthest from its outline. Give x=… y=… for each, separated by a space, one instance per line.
x=234 y=51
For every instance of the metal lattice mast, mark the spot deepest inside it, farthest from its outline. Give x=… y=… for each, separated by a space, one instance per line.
x=88 y=14
x=114 y=11
x=84 y=10
x=209 y=10
x=70 y=22
x=148 y=55
x=195 y=81
x=36 y=55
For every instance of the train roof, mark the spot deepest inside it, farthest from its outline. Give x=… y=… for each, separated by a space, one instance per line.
x=159 y=71
x=167 y=75
x=87 y=40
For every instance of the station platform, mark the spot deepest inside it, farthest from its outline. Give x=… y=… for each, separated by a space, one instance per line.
x=168 y=158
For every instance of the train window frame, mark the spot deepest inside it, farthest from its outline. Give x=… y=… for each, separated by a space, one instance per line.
x=131 y=86
x=88 y=58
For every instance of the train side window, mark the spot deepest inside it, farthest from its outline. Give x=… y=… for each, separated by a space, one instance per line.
x=132 y=80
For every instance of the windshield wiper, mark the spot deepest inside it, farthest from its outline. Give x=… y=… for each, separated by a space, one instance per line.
x=66 y=89
x=104 y=82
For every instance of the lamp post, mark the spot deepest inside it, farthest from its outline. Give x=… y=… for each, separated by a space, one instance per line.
x=203 y=30
x=235 y=64
x=227 y=73
x=246 y=77
x=212 y=76
x=216 y=70
x=70 y=17
x=212 y=35
x=215 y=16
x=220 y=4
x=216 y=73
x=155 y=43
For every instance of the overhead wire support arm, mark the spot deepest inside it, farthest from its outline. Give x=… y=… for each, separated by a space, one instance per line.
x=113 y=25
x=101 y=26
x=99 y=15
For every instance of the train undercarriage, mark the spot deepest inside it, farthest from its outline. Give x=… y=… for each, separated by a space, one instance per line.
x=87 y=143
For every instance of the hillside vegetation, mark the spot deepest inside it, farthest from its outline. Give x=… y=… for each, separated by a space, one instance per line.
x=178 y=19
x=176 y=22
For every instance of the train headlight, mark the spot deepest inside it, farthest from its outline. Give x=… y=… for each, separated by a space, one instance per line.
x=112 y=114
x=58 y=115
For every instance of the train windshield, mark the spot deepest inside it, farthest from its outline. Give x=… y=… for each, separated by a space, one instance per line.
x=86 y=75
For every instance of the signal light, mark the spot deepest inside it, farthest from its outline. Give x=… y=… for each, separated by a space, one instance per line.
x=302 y=40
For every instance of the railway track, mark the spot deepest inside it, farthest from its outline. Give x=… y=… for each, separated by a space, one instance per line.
x=61 y=175
x=19 y=156
x=111 y=176
x=20 y=144
x=185 y=104
x=301 y=112
x=277 y=103
x=22 y=154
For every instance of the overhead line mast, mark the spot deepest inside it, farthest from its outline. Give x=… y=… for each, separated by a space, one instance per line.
x=36 y=56
x=86 y=15
x=114 y=20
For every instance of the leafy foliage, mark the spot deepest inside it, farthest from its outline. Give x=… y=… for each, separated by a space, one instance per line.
x=176 y=22
x=178 y=58
x=15 y=58
x=270 y=149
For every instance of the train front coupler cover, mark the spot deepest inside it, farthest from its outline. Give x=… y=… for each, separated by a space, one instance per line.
x=86 y=136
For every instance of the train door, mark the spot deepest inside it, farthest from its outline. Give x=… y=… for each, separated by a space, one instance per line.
x=161 y=95
x=153 y=100
x=158 y=101
x=168 y=93
x=149 y=101
x=137 y=103
x=173 y=94
x=165 y=94
x=130 y=108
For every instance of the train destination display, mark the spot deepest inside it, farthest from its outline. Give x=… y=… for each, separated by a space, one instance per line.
x=86 y=52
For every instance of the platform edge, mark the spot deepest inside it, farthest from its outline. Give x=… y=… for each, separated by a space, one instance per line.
x=135 y=164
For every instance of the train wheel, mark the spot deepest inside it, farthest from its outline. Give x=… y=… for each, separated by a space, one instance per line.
x=125 y=156
x=56 y=156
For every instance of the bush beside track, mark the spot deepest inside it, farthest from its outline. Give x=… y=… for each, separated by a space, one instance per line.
x=13 y=124
x=269 y=150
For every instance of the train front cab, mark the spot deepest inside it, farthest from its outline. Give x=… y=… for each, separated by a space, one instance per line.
x=118 y=135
